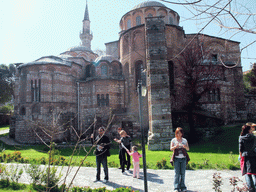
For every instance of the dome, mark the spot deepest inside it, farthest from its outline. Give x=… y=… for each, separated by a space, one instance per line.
x=149 y=4
x=108 y=58
x=48 y=60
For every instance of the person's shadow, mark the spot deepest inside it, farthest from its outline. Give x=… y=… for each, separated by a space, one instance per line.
x=115 y=186
x=154 y=178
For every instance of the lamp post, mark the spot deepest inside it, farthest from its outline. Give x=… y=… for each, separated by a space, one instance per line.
x=142 y=91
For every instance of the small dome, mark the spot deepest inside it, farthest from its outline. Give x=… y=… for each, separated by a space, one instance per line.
x=149 y=4
x=108 y=58
x=79 y=48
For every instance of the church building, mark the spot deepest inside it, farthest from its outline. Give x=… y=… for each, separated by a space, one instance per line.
x=78 y=86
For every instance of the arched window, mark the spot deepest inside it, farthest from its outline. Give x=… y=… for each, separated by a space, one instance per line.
x=104 y=70
x=129 y=24
x=138 y=71
x=171 y=21
x=150 y=15
x=138 y=20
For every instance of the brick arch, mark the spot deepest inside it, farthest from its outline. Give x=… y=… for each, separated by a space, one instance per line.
x=150 y=10
x=215 y=43
x=137 y=11
x=103 y=69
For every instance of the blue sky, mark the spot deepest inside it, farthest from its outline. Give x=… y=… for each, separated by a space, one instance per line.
x=30 y=29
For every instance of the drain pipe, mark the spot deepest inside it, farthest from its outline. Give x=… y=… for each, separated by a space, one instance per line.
x=78 y=105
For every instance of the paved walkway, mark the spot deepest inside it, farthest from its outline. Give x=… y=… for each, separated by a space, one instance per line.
x=158 y=180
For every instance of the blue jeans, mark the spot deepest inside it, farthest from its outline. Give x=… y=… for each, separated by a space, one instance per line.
x=102 y=159
x=251 y=182
x=179 y=177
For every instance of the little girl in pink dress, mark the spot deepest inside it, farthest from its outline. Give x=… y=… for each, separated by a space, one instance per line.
x=136 y=161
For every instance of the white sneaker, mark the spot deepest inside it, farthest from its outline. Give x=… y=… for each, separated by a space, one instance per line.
x=105 y=181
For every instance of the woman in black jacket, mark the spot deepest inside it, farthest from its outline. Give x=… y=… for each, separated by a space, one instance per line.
x=248 y=156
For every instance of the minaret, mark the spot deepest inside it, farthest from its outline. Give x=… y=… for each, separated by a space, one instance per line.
x=85 y=35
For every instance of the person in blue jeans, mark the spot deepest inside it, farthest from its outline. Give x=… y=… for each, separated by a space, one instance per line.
x=180 y=157
x=247 y=152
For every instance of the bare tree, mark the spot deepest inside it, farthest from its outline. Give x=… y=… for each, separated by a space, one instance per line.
x=199 y=75
x=51 y=129
x=233 y=18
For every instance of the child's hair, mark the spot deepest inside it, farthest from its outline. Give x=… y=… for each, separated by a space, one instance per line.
x=122 y=132
x=249 y=124
x=134 y=148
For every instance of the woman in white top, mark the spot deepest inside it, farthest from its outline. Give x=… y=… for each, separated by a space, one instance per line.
x=180 y=147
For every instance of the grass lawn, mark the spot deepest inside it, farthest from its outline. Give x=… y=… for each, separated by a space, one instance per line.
x=4 y=127
x=220 y=152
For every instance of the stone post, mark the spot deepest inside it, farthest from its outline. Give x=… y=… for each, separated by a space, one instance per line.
x=159 y=103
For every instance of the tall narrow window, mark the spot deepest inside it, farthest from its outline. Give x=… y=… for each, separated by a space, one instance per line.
x=88 y=71
x=138 y=20
x=98 y=99
x=23 y=111
x=129 y=24
x=103 y=103
x=138 y=71
x=107 y=100
x=217 y=94
x=214 y=58
x=171 y=74
x=39 y=90
x=171 y=20
x=114 y=70
x=104 y=70
x=36 y=90
x=32 y=91
x=214 y=95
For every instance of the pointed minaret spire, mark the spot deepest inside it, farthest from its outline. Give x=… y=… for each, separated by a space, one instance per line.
x=86 y=13
x=85 y=35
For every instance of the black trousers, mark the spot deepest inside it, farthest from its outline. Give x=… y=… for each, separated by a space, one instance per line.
x=126 y=160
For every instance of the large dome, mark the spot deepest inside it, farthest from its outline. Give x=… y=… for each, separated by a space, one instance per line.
x=149 y=4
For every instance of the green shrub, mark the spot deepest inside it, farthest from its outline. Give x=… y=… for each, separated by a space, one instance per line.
x=34 y=172
x=233 y=167
x=161 y=164
x=112 y=164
